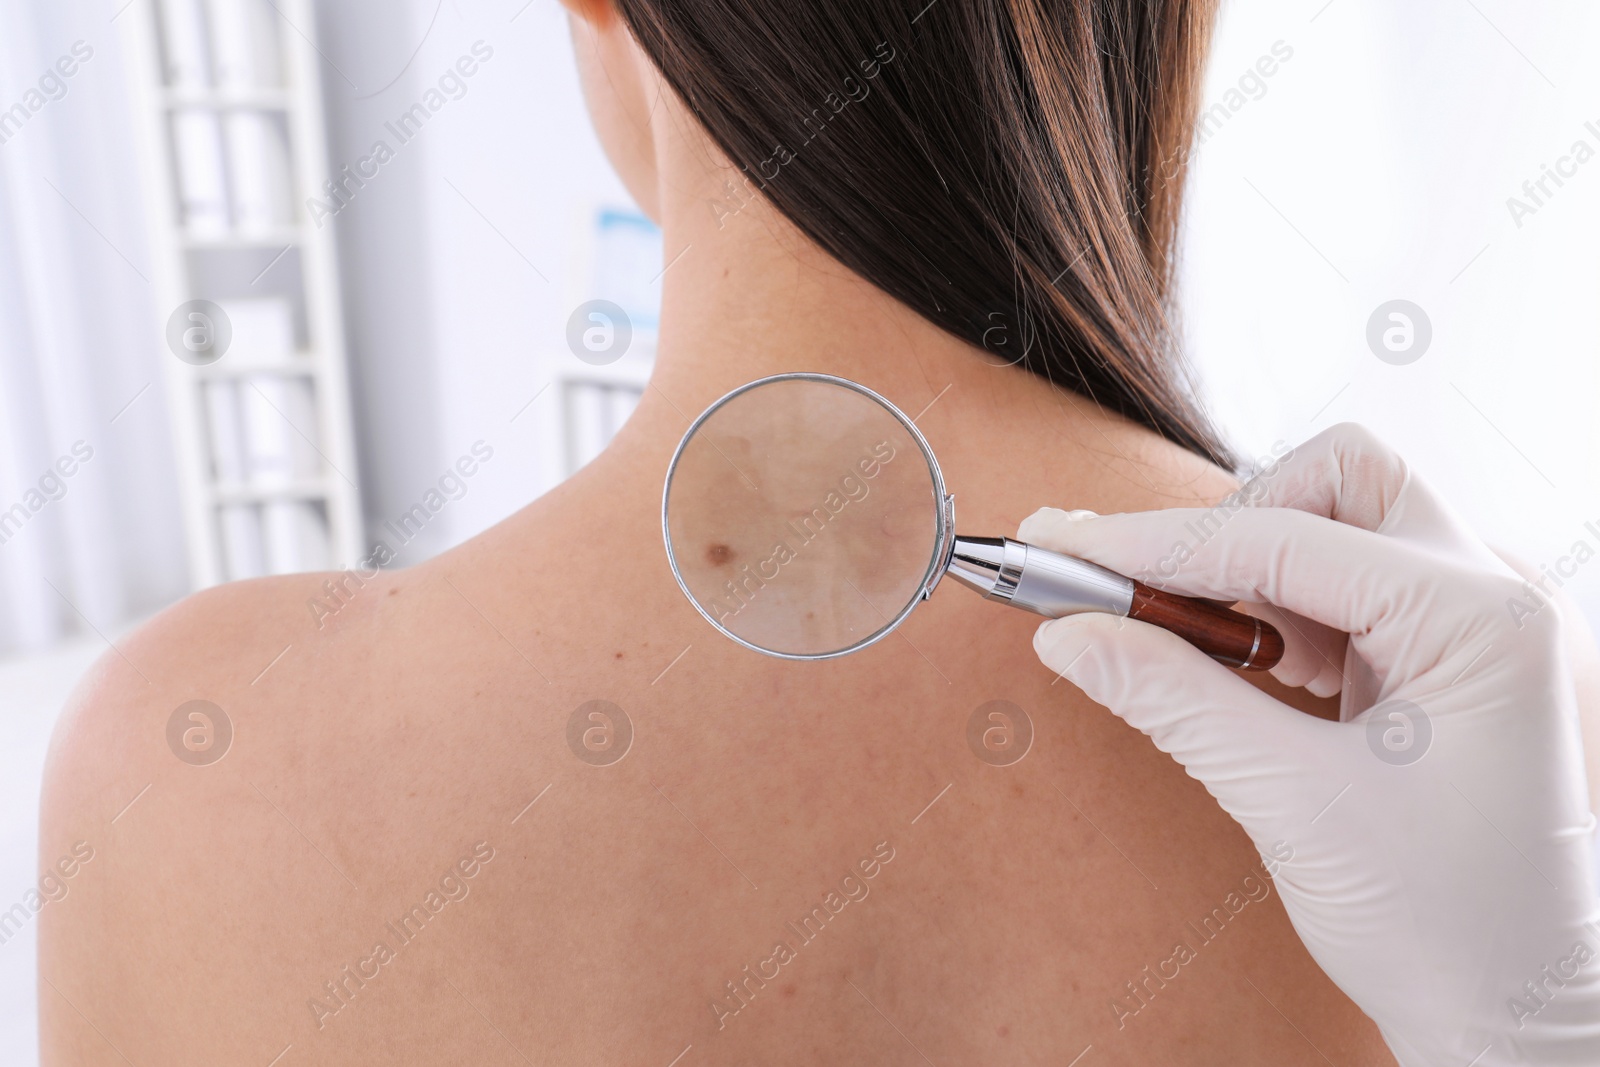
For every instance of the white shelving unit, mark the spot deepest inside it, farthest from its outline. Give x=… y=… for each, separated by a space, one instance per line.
x=615 y=256
x=595 y=402
x=294 y=482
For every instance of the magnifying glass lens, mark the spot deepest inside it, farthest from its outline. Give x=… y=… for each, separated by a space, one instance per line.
x=802 y=517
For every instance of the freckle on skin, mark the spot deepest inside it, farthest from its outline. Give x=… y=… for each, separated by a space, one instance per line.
x=392 y=592
x=1002 y=1031
x=619 y=655
x=719 y=554
x=788 y=990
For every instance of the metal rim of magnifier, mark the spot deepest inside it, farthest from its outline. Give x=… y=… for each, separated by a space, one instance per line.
x=944 y=513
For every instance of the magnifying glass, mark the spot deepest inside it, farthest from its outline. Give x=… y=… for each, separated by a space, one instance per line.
x=805 y=517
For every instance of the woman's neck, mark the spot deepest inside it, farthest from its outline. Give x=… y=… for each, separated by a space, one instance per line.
x=745 y=294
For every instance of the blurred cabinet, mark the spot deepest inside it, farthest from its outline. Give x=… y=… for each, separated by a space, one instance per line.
x=594 y=405
x=228 y=111
x=614 y=290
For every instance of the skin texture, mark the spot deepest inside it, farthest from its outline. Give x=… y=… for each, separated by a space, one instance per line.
x=422 y=720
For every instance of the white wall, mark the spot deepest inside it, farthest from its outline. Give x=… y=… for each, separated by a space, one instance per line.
x=1389 y=143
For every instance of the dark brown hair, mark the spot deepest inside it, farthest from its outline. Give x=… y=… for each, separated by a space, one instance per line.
x=1009 y=169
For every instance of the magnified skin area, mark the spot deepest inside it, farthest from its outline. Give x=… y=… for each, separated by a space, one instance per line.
x=817 y=510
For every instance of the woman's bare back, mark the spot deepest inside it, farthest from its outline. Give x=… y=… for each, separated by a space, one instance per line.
x=411 y=852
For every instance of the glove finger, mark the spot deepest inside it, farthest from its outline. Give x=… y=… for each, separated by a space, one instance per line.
x=1312 y=652
x=1251 y=752
x=1343 y=473
x=1277 y=555
x=1309 y=648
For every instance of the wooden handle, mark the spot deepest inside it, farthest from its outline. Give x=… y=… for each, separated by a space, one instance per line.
x=1227 y=636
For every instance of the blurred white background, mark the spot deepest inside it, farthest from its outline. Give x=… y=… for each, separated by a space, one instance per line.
x=1356 y=152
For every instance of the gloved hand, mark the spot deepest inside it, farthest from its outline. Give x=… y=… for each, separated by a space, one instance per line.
x=1442 y=866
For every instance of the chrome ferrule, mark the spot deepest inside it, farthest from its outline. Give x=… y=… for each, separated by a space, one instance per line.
x=1043 y=582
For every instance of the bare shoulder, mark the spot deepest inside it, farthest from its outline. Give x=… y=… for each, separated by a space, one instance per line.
x=145 y=789
x=248 y=783
x=213 y=647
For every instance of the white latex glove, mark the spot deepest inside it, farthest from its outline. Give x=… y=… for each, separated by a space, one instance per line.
x=1443 y=866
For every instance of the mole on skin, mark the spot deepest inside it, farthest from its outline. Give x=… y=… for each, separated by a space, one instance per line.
x=719 y=554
